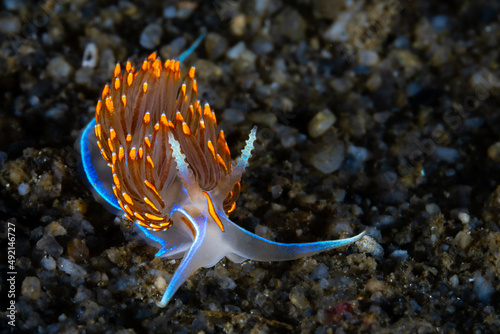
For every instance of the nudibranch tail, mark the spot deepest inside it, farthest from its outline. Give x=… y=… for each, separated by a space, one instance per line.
x=251 y=246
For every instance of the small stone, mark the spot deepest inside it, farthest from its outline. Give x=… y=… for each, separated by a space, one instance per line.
x=160 y=283
x=447 y=154
x=276 y=191
x=464 y=217
x=57 y=112
x=454 y=281
x=49 y=244
x=368 y=58
x=400 y=254
x=31 y=288
x=441 y=56
x=484 y=82
x=361 y=154
x=463 y=239
x=14 y=4
x=174 y=48
x=71 y=268
x=432 y=208
x=207 y=70
x=482 y=289
x=185 y=9
x=233 y=116
x=59 y=68
x=23 y=189
x=262 y=45
x=368 y=245
x=87 y=310
x=216 y=45
x=87 y=227
x=321 y=122
x=245 y=59
x=104 y=296
x=374 y=285
x=342 y=227
x=341 y=85
x=48 y=263
x=238 y=24
x=84 y=76
x=408 y=61
x=10 y=25
x=107 y=60
x=126 y=283
x=265 y=118
x=82 y=294
x=374 y=81
x=413 y=88
x=151 y=36
x=290 y=24
x=321 y=271
x=226 y=282
x=170 y=12
x=326 y=9
x=440 y=23
x=55 y=229
x=78 y=250
x=90 y=56
x=494 y=152
x=329 y=158
x=298 y=299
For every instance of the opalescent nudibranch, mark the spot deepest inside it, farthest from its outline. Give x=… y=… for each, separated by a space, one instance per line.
x=153 y=156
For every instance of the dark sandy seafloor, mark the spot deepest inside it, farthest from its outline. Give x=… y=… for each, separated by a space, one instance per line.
x=380 y=116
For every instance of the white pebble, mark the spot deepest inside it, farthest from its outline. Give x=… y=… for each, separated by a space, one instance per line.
x=31 y=288
x=298 y=299
x=329 y=158
x=400 y=255
x=482 y=288
x=48 y=262
x=90 y=55
x=368 y=245
x=23 y=189
x=432 y=208
x=321 y=122
x=464 y=217
x=454 y=281
x=70 y=268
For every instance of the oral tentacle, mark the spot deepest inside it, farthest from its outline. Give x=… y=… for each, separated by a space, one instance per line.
x=166 y=248
x=189 y=263
x=209 y=246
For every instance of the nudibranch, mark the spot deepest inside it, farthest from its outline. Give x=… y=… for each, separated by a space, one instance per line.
x=153 y=155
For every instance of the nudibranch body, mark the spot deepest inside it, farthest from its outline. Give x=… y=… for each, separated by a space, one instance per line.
x=153 y=156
